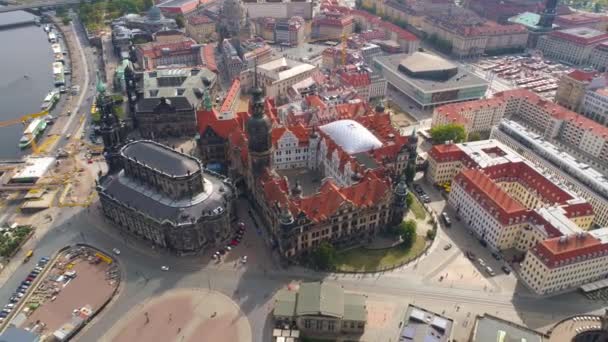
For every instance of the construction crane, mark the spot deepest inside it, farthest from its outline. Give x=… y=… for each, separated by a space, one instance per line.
x=344 y=45
x=23 y=118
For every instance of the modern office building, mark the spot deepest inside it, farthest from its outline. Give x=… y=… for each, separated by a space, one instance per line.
x=430 y=80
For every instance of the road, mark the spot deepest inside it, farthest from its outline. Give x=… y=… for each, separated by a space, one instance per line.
x=256 y=282
x=253 y=285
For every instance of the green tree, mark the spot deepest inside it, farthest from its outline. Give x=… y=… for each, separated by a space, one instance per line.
x=65 y=20
x=448 y=132
x=409 y=200
x=324 y=255
x=430 y=234
x=180 y=21
x=407 y=231
x=148 y=4
x=474 y=136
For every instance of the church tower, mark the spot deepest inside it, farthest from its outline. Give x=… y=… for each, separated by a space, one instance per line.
x=131 y=89
x=399 y=205
x=258 y=132
x=112 y=130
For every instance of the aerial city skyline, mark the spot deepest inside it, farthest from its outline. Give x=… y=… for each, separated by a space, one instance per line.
x=292 y=171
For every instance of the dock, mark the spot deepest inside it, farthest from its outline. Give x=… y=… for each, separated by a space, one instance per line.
x=16 y=24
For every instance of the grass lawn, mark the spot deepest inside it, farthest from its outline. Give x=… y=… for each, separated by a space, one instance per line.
x=361 y=259
x=418 y=209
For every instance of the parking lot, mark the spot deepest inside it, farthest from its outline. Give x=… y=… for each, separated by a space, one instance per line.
x=72 y=288
x=523 y=71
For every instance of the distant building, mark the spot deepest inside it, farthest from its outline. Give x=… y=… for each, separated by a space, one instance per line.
x=279 y=9
x=572 y=87
x=169 y=99
x=595 y=21
x=183 y=52
x=151 y=23
x=491 y=328
x=233 y=64
x=599 y=57
x=280 y=74
x=475 y=116
x=167 y=198
x=289 y=31
x=472 y=36
x=174 y=8
x=430 y=80
x=321 y=309
x=586 y=137
x=332 y=25
x=572 y=45
x=200 y=27
x=595 y=105
x=421 y=325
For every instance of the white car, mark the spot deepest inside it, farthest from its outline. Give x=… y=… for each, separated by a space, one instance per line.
x=244 y=259
x=164 y=268
x=116 y=251
x=228 y=248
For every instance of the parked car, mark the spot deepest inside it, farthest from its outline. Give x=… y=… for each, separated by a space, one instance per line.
x=244 y=259
x=164 y=268
x=3 y=314
x=481 y=262
x=448 y=246
x=470 y=255
x=506 y=269
x=496 y=256
x=116 y=251
x=446 y=219
x=490 y=271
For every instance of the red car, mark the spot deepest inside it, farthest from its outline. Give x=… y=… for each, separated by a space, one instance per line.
x=234 y=243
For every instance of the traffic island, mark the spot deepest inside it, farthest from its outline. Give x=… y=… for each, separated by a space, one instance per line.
x=188 y=315
x=362 y=259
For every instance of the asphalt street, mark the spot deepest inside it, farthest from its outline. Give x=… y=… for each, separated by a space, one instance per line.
x=253 y=285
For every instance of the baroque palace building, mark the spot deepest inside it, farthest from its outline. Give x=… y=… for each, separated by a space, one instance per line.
x=339 y=182
x=161 y=195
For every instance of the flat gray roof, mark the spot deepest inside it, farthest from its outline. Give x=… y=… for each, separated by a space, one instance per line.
x=422 y=62
x=161 y=157
x=421 y=325
x=160 y=207
x=489 y=328
x=462 y=79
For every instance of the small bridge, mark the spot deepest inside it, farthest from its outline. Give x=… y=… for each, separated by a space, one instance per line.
x=10 y=7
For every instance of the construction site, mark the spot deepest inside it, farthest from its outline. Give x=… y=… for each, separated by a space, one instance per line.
x=69 y=291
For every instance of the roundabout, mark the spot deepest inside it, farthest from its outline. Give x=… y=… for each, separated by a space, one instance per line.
x=183 y=315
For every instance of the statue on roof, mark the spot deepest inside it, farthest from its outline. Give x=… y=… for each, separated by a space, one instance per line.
x=207 y=103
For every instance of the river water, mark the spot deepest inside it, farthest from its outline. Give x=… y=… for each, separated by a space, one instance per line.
x=25 y=51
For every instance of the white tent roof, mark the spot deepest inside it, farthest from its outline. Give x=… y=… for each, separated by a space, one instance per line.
x=351 y=136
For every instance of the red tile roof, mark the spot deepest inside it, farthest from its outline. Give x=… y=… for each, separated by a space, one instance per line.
x=556 y=111
x=583 y=76
x=299 y=131
x=209 y=119
x=209 y=57
x=233 y=92
x=446 y=153
x=561 y=251
x=524 y=174
x=199 y=20
x=155 y=49
x=578 y=39
x=492 y=197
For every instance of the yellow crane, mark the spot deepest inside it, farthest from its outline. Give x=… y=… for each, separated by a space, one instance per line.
x=24 y=119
